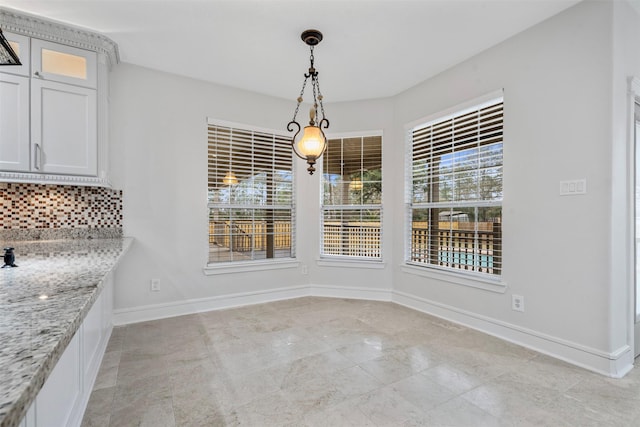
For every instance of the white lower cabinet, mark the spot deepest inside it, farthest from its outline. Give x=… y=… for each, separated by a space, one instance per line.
x=60 y=394
x=96 y=330
x=91 y=334
x=64 y=396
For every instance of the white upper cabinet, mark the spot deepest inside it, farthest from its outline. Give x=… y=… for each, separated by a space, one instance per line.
x=14 y=122
x=54 y=107
x=63 y=128
x=64 y=64
x=14 y=107
x=62 y=111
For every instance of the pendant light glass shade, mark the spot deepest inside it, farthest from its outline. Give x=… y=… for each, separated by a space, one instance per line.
x=311 y=144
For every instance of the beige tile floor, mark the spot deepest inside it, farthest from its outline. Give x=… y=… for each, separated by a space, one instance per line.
x=335 y=362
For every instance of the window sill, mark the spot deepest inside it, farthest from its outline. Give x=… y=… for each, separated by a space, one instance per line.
x=350 y=263
x=242 y=267
x=473 y=281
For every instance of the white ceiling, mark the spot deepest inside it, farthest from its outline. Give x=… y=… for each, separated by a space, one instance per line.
x=371 y=49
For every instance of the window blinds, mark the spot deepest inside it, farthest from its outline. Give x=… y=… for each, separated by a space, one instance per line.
x=352 y=197
x=254 y=156
x=451 y=157
x=250 y=192
x=456 y=191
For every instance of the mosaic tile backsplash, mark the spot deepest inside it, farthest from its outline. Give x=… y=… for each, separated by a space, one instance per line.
x=33 y=211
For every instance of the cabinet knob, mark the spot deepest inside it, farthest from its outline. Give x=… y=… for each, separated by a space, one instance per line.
x=37 y=74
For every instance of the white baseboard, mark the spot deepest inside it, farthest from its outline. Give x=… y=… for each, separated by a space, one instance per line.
x=615 y=364
x=145 y=313
x=351 y=292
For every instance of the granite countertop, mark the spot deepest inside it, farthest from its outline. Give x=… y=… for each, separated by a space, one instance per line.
x=42 y=304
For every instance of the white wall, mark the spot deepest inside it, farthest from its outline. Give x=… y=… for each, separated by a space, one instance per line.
x=159 y=159
x=557 y=98
x=159 y=152
x=625 y=65
x=560 y=253
x=375 y=280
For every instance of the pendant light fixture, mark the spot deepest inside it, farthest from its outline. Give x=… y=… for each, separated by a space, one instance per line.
x=7 y=55
x=312 y=144
x=355 y=184
x=230 y=179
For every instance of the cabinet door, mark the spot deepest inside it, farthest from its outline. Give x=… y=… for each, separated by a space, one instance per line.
x=63 y=128
x=91 y=343
x=65 y=64
x=20 y=45
x=107 y=311
x=61 y=393
x=14 y=123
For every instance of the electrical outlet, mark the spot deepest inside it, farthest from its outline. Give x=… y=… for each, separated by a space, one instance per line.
x=305 y=269
x=517 y=302
x=155 y=285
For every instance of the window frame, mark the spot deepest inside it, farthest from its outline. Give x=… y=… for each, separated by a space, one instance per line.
x=231 y=266
x=327 y=260
x=487 y=281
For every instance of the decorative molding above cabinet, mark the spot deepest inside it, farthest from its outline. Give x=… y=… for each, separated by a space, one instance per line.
x=33 y=26
x=54 y=121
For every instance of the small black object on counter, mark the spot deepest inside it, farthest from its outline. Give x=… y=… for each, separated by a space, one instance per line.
x=9 y=258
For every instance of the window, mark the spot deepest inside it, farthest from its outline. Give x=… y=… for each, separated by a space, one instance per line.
x=455 y=191
x=250 y=195
x=352 y=197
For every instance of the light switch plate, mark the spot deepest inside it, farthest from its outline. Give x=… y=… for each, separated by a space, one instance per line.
x=573 y=187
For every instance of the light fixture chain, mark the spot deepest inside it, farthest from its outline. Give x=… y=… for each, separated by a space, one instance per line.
x=304 y=84
x=315 y=98
x=320 y=96
x=311 y=57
